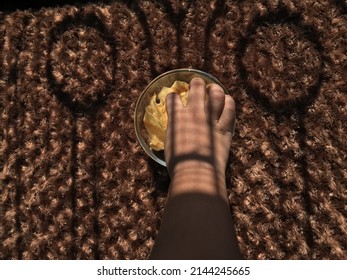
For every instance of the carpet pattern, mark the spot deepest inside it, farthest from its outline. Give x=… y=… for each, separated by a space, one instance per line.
x=74 y=182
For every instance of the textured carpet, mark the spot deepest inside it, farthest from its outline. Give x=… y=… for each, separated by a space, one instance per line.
x=74 y=182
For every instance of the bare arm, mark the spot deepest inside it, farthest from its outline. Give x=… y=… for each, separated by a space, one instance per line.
x=197 y=222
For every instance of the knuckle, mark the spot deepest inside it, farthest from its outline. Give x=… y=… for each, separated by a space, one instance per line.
x=216 y=88
x=225 y=129
x=218 y=95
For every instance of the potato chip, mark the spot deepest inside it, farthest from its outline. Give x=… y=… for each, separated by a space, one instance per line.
x=155 y=118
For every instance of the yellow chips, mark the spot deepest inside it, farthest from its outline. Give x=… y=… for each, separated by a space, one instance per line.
x=155 y=118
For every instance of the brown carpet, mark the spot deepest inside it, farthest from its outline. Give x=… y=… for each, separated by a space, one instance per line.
x=74 y=182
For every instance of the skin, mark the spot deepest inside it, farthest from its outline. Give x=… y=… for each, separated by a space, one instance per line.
x=197 y=222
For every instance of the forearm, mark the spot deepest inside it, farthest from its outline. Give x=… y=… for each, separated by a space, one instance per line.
x=197 y=222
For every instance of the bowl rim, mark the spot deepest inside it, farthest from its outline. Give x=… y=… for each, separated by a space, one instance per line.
x=137 y=129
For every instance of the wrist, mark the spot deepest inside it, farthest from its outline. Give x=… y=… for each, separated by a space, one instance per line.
x=197 y=176
x=195 y=165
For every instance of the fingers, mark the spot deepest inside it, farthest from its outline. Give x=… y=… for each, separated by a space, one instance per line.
x=197 y=92
x=173 y=102
x=219 y=105
x=215 y=101
x=228 y=117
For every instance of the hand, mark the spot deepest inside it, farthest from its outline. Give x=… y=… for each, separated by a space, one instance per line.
x=200 y=133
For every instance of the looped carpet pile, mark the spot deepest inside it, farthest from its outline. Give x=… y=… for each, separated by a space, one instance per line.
x=75 y=183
